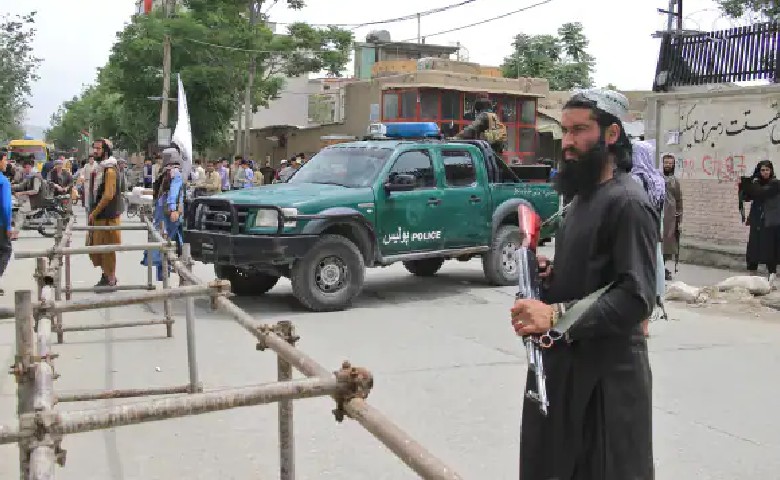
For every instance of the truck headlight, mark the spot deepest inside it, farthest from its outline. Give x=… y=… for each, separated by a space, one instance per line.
x=267 y=218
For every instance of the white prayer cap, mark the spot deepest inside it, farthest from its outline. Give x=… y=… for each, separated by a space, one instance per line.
x=609 y=101
x=171 y=156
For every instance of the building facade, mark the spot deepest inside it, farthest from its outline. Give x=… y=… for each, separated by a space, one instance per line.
x=439 y=96
x=452 y=107
x=378 y=48
x=717 y=135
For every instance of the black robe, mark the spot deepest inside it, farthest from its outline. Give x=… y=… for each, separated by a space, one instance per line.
x=599 y=425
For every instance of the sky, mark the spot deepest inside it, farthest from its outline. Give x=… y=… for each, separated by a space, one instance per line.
x=75 y=37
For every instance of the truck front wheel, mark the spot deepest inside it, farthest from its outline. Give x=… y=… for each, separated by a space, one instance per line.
x=500 y=263
x=330 y=275
x=245 y=284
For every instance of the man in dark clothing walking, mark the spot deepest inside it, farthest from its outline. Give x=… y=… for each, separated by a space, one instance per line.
x=598 y=380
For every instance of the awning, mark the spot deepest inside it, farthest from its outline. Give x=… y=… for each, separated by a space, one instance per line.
x=545 y=124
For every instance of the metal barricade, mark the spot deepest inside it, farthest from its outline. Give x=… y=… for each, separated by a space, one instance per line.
x=42 y=427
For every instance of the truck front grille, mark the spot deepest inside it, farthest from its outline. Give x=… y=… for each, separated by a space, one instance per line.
x=217 y=218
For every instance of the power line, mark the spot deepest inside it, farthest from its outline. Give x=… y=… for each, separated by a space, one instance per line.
x=481 y=22
x=273 y=4
x=411 y=16
x=238 y=49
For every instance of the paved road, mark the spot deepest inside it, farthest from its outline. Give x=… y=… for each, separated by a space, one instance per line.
x=447 y=369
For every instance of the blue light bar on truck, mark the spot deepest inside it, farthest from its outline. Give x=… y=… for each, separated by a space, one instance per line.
x=403 y=130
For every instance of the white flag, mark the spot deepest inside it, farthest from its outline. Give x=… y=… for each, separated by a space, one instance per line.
x=182 y=135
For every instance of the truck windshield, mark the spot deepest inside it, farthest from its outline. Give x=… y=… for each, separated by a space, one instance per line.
x=345 y=166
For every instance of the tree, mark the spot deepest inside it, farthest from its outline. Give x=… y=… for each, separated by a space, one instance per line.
x=756 y=9
x=211 y=45
x=18 y=67
x=562 y=59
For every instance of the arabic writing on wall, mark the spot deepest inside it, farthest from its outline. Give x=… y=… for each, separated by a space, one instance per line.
x=728 y=169
x=703 y=128
x=724 y=139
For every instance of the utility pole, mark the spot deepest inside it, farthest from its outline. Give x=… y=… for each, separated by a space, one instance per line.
x=674 y=11
x=679 y=16
x=168 y=6
x=239 y=130
x=670 y=15
x=419 y=36
x=246 y=140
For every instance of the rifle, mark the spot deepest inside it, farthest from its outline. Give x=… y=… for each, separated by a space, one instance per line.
x=530 y=225
x=529 y=286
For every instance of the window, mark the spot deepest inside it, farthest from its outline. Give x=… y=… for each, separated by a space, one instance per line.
x=390 y=106
x=450 y=105
x=528 y=112
x=459 y=168
x=429 y=104
x=409 y=104
x=508 y=110
x=468 y=106
x=418 y=164
x=511 y=139
x=527 y=140
x=345 y=166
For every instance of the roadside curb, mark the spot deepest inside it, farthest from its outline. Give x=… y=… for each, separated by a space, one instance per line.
x=771 y=301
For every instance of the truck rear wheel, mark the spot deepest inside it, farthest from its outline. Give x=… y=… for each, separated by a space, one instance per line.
x=424 y=268
x=330 y=275
x=500 y=263
x=245 y=284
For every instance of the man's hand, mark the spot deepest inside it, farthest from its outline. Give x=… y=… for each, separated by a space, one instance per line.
x=531 y=317
x=175 y=216
x=91 y=219
x=12 y=234
x=545 y=267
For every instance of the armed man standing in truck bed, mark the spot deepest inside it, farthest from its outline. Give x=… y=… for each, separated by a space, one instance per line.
x=486 y=126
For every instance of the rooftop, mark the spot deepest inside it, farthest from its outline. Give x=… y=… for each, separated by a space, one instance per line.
x=411 y=46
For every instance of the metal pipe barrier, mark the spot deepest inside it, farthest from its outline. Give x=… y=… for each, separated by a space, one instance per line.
x=41 y=428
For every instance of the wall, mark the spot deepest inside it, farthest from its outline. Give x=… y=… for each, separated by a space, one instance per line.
x=358 y=99
x=722 y=134
x=291 y=108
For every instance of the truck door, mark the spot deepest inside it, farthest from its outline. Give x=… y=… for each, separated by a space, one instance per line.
x=411 y=221
x=465 y=197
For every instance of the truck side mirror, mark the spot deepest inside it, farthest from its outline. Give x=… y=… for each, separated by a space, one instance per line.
x=400 y=182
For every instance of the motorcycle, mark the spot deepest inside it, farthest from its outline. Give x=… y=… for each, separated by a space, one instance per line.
x=44 y=219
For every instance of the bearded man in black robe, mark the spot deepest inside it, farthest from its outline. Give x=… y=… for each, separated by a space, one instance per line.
x=599 y=420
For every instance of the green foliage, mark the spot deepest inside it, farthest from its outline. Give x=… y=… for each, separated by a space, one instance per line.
x=763 y=9
x=18 y=68
x=562 y=59
x=212 y=44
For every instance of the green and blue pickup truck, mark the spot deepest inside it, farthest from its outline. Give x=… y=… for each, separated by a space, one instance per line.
x=362 y=204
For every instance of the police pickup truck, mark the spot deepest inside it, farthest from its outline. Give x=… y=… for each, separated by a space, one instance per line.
x=409 y=196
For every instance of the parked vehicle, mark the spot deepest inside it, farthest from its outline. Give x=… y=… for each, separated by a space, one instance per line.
x=407 y=197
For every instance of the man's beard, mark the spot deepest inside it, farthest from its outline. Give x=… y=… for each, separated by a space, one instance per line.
x=669 y=171
x=583 y=175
